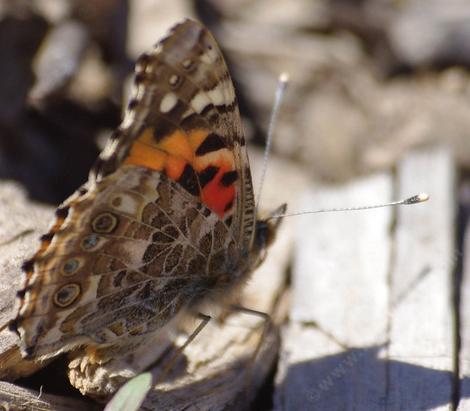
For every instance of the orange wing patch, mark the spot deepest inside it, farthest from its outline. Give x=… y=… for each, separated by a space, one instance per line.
x=144 y=152
x=176 y=156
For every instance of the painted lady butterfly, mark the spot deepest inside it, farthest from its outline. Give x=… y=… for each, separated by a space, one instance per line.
x=165 y=222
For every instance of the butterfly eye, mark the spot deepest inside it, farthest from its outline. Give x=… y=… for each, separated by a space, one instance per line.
x=66 y=295
x=70 y=267
x=104 y=223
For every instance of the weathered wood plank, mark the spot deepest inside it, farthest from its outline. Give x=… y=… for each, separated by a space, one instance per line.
x=372 y=310
x=464 y=326
x=13 y=397
x=340 y=302
x=421 y=348
x=21 y=224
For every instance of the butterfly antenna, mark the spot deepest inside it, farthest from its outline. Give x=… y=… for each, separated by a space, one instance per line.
x=419 y=198
x=281 y=88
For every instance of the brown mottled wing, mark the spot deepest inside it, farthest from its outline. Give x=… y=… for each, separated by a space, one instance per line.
x=165 y=218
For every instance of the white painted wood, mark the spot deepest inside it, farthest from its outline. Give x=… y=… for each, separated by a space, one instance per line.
x=421 y=346
x=340 y=300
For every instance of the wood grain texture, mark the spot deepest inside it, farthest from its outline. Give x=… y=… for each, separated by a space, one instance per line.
x=13 y=397
x=339 y=301
x=464 y=326
x=372 y=314
x=21 y=225
x=421 y=348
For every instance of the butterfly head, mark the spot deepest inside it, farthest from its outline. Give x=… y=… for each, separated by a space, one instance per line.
x=265 y=233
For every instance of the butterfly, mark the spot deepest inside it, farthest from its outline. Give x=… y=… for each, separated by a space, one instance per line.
x=166 y=221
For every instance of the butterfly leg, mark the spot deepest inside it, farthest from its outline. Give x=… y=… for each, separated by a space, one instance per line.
x=204 y=321
x=267 y=323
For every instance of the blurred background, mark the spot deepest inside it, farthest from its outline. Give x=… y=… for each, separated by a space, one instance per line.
x=370 y=79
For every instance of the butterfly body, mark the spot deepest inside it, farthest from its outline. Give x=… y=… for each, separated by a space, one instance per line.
x=166 y=221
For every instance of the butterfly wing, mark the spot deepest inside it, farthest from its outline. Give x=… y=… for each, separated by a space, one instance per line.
x=166 y=216
x=183 y=120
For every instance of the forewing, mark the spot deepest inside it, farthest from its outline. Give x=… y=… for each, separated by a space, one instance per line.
x=183 y=120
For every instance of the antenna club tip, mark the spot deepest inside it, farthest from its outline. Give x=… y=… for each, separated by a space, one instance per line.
x=420 y=198
x=423 y=197
x=284 y=77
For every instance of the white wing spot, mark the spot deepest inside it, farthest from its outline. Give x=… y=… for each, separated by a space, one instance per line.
x=217 y=94
x=111 y=146
x=173 y=80
x=169 y=101
x=221 y=94
x=210 y=56
x=187 y=63
x=200 y=101
x=128 y=120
